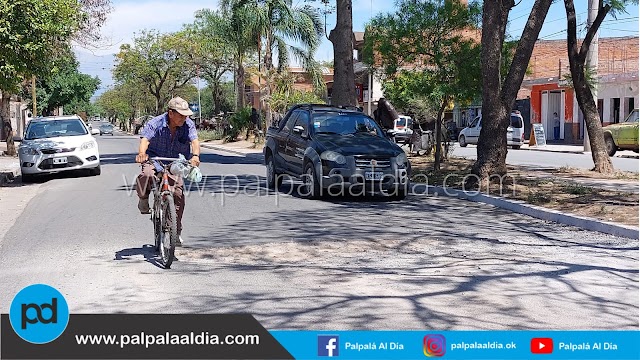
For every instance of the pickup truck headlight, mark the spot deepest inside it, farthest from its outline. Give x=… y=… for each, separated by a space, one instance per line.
x=88 y=145
x=334 y=156
x=401 y=159
x=28 y=151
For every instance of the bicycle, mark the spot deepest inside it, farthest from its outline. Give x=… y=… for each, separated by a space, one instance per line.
x=163 y=211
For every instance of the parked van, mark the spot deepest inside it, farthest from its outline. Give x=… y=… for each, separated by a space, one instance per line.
x=403 y=128
x=515 y=131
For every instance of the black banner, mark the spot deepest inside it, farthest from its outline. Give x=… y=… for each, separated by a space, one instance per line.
x=150 y=336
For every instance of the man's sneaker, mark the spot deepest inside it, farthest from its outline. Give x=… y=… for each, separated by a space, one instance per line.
x=143 y=206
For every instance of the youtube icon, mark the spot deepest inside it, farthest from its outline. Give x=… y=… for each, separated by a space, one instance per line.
x=542 y=345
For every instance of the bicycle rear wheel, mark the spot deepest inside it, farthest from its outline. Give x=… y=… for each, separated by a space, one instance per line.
x=169 y=232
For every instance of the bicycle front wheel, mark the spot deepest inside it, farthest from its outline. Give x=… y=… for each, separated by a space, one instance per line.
x=169 y=232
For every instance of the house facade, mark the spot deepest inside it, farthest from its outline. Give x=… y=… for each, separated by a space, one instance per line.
x=549 y=92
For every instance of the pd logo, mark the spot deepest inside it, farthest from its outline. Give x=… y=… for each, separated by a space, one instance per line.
x=542 y=345
x=328 y=345
x=39 y=314
x=434 y=345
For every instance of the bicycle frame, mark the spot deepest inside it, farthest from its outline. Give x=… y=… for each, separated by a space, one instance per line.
x=163 y=206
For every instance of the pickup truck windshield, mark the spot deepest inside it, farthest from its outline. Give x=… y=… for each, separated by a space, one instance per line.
x=329 y=122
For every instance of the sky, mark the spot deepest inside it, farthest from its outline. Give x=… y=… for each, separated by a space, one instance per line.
x=132 y=16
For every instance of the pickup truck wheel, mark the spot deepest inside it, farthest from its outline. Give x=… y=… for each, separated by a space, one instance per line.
x=274 y=180
x=611 y=145
x=311 y=188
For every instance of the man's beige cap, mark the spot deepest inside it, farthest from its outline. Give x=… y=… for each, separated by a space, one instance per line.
x=180 y=105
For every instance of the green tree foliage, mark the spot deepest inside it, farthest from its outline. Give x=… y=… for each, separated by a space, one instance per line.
x=32 y=34
x=281 y=28
x=160 y=61
x=65 y=87
x=213 y=54
x=443 y=67
x=226 y=100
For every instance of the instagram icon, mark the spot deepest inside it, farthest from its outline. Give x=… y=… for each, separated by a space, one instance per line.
x=434 y=345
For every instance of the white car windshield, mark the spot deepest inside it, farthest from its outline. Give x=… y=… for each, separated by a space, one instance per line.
x=55 y=128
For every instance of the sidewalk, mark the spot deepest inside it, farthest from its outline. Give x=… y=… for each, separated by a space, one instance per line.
x=9 y=165
x=574 y=149
x=238 y=147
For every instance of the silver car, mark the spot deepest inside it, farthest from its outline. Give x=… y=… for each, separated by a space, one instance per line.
x=57 y=143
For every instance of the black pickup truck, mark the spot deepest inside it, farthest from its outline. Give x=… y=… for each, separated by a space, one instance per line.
x=335 y=151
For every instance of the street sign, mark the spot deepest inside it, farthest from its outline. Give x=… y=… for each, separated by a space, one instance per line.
x=194 y=107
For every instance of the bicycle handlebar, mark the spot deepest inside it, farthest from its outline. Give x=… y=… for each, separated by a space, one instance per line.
x=164 y=159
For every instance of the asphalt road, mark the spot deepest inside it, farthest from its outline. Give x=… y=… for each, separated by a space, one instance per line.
x=423 y=263
x=550 y=159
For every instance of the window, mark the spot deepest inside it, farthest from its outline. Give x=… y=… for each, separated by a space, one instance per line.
x=516 y=122
x=475 y=122
x=303 y=120
x=290 y=121
x=331 y=122
x=55 y=128
x=633 y=117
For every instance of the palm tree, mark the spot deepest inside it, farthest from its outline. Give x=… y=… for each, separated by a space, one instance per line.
x=231 y=27
x=277 y=24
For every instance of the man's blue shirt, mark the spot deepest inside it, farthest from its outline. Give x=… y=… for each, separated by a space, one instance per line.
x=162 y=144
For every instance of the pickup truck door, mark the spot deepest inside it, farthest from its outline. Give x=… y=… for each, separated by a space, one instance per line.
x=282 y=157
x=474 y=130
x=297 y=143
x=628 y=135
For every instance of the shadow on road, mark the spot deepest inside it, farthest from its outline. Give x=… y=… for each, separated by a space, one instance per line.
x=147 y=251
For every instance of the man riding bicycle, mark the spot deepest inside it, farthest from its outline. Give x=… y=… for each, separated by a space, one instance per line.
x=167 y=135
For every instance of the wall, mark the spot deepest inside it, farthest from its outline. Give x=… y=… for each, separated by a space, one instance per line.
x=567 y=117
x=622 y=90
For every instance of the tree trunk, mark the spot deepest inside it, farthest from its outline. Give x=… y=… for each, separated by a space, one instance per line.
x=344 y=83
x=577 y=59
x=240 y=99
x=5 y=117
x=438 y=154
x=498 y=98
x=217 y=101
x=268 y=63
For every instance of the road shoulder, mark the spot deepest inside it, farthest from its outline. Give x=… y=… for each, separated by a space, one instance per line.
x=14 y=198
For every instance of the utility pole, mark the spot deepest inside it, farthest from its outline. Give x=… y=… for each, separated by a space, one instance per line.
x=199 y=105
x=592 y=62
x=33 y=96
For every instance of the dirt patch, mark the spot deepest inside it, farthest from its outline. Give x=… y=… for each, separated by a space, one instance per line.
x=611 y=197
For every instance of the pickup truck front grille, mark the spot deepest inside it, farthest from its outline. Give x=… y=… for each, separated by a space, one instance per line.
x=368 y=163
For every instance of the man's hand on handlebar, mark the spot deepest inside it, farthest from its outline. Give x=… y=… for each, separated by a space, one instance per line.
x=140 y=158
x=195 y=161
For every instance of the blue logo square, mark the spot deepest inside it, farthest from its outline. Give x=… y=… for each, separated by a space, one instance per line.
x=328 y=345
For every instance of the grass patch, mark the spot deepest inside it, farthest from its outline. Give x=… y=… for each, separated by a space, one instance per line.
x=209 y=135
x=577 y=189
x=558 y=189
x=538 y=198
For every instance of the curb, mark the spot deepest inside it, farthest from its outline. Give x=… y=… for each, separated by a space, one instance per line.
x=554 y=151
x=579 y=152
x=538 y=212
x=225 y=149
x=8 y=175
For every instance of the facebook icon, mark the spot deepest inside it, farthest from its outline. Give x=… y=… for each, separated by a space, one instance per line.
x=328 y=345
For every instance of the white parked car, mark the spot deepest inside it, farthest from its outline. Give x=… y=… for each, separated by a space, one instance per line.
x=57 y=143
x=515 y=131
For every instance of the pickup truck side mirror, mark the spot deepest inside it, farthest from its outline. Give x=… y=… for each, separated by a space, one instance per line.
x=300 y=131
